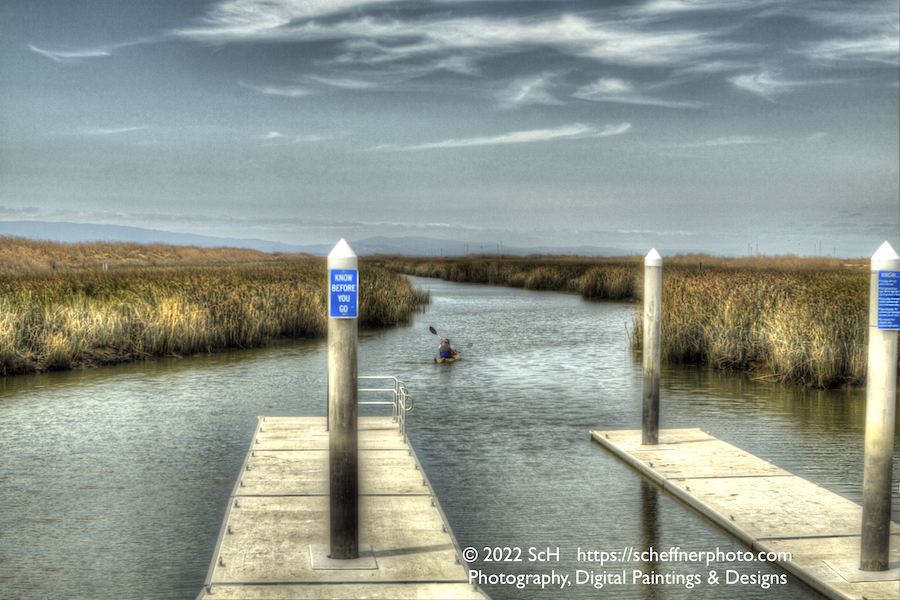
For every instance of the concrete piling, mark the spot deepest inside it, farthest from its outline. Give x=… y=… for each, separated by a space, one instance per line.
x=651 y=326
x=343 y=281
x=881 y=407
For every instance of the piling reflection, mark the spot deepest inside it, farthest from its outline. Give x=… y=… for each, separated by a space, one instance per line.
x=650 y=533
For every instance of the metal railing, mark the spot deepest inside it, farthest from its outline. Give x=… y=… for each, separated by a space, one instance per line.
x=401 y=402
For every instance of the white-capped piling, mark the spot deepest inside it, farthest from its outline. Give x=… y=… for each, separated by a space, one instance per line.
x=343 y=306
x=881 y=408
x=651 y=326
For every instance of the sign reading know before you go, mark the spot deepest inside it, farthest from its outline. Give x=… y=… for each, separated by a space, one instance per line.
x=889 y=300
x=343 y=295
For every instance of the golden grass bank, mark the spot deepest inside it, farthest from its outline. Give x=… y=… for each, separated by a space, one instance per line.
x=85 y=315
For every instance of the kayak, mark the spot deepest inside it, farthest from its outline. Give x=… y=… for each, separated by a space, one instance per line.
x=453 y=358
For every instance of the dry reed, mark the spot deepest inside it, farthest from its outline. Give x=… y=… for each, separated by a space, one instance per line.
x=593 y=279
x=798 y=326
x=58 y=318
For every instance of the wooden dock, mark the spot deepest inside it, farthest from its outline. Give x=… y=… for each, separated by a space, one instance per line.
x=274 y=540
x=768 y=508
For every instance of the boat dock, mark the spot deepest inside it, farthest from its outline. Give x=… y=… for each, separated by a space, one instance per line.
x=274 y=540
x=770 y=509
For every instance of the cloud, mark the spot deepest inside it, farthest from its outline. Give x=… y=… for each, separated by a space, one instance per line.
x=70 y=56
x=712 y=67
x=857 y=31
x=764 y=84
x=876 y=48
x=276 y=138
x=531 y=90
x=236 y=19
x=272 y=90
x=75 y=56
x=111 y=131
x=383 y=38
x=346 y=83
x=666 y=7
x=734 y=140
x=608 y=89
x=574 y=131
x=768 y=85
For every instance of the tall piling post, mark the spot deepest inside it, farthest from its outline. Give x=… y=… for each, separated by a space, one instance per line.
x=881 y=408
x=343 y=391
x=651 y=326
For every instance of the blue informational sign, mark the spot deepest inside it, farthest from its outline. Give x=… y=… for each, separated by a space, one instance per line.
x=343 y=295
x=889 y=300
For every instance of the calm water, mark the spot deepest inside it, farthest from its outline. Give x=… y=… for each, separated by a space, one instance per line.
x=115 y=480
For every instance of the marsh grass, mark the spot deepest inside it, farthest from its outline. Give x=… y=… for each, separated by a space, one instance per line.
x=592 y=279
x=785 y=318
x=22 y=254
x=800 y=326
x=62 y=317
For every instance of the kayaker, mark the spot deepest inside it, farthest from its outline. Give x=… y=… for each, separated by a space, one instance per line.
x=446 y=350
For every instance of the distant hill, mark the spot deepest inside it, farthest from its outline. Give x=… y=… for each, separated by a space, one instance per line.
x=90 y=232
x=406 y=246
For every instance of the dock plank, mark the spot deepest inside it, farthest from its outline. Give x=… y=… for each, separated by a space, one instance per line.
x=767 y=507
x=277 y=522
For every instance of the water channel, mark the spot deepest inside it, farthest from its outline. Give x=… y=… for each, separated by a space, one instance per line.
x=115 y=480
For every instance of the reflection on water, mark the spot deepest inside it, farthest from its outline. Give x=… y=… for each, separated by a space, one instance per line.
x=115 y=480
x=817 y=434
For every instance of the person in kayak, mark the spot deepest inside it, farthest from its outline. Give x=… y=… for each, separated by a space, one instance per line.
x=446 y=350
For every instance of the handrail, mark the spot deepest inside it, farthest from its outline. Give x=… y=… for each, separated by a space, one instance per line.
x=401 y=402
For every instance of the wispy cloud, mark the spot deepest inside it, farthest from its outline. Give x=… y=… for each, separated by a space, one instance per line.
x=574 y=131
x=235 y=19
x=389 y=42
x=344 y=83
x=608 y=89
x=111 y=130
x=734 y=140
x=769 y=84
x=389 y=38
x=79 y=55
x=70 y=56
x=530 y=90
x=765 y=84
x=277 y=138
x=856 y=31
x=273 y=90
x=884 y=48
x=678 y=6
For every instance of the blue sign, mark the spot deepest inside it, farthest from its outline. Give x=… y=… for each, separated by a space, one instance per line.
x=343 y=295
x=889 y=300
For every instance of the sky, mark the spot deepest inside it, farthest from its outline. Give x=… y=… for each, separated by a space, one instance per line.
x=722 y=126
